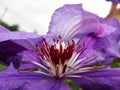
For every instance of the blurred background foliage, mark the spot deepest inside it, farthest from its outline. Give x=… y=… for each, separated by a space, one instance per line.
x=2 y=67
x=116 y=63
x=14 y=27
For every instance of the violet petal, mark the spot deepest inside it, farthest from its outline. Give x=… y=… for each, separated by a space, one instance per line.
x=17 y=36
x=49 y=85
x=8 y=49
x=11 y=79
x=12 y=43
x=3 y=29
x=71 y=20
x=100 y=80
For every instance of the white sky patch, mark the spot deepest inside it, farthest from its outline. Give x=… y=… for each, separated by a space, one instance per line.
x=34 y=15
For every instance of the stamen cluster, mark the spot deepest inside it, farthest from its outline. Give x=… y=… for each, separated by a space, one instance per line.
x=63 y=59
x=56 y=57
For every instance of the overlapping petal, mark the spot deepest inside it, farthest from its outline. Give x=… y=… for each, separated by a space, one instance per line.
x=17 y=36
x=108 y=45
x=27 y=59
x=13 y=42
x=11 y=79
x=8 y=50
x=114 y=23
x=49 y=85
x=3 y=29
x=71 y=20
x=106 y=79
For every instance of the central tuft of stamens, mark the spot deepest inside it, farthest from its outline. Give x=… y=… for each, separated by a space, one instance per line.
x=56 y=56
x=64 y=58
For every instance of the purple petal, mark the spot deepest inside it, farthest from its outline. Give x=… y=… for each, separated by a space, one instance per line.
x=10 y=79
x=13 y=79
x=17 y=36
x=8 y=50
x=12 y=43
x=114 y=1
x=27 y=58
x=49 y=85
x=3 y=29
x=29 y=43
x=107 y=47
x=80 y=23
x=107 y=38
x=70 y=20
x=24 y=39
x=115 y=23
x=106 y=79
x=104 y=30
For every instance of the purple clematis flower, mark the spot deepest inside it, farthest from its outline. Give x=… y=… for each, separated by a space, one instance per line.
x=77 y=41
x=114 y=1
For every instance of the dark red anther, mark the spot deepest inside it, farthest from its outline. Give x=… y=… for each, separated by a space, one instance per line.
x=57 y=53
x=60 y=37
x=64 y=68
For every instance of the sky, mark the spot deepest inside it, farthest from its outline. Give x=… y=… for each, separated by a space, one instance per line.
x=35 y=15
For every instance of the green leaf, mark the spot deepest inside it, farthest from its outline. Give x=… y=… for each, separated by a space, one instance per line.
x=2 y=67
x=116 y=63
x=72 y=84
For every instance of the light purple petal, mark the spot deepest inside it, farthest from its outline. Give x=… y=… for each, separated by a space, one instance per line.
x=24 y=39
x=17 y=36
x=106 y=79
x=12 y=43
x=104 y=30
x=11 y=79
x=3 y=29
x=27 y=58
x=114 y=38
x=107 y=46
x=70 y=20
x=49 y=85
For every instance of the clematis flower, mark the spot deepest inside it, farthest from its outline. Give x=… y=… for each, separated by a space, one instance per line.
x=78 y=46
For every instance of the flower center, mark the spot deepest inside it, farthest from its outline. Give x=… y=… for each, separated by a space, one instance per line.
x=56 y=56
x=65 y=58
